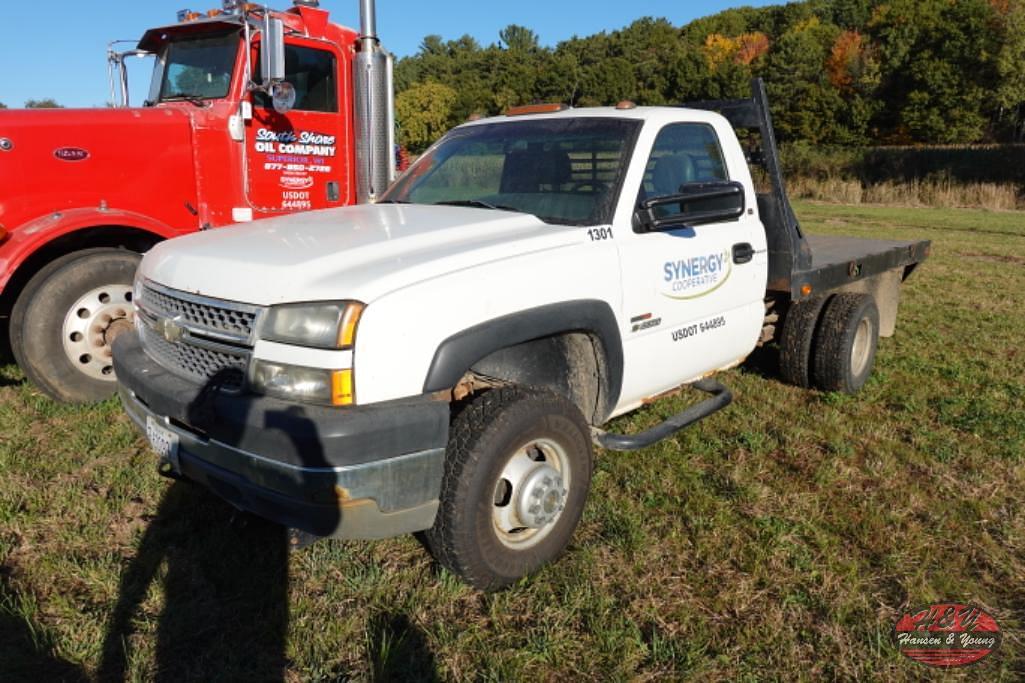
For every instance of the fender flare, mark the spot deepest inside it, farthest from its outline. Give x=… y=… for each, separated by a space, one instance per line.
x=457 y=354
x=28 y=238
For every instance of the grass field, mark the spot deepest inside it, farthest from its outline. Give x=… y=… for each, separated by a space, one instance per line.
x=777 y=540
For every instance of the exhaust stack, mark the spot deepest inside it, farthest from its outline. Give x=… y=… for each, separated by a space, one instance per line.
x=374 y=102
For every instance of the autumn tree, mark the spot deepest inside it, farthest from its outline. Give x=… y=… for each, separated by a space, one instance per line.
x=422 y=113
x=849 y=72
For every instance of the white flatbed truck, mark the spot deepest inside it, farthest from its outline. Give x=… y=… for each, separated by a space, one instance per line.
x=445 y=360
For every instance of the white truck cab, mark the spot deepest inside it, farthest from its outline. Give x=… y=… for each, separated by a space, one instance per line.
x=443 y=360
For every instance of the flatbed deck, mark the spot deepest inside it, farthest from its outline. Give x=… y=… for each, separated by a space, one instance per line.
x=838 y=261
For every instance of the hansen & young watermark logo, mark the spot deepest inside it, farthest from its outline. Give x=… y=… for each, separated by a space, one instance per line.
x=947 y=635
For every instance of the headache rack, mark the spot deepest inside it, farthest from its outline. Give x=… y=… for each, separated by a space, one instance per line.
x=800 y=265
x=789 y=251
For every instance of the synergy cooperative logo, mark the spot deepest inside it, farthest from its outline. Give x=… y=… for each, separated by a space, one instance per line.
x=696 y=277
x=947 y=635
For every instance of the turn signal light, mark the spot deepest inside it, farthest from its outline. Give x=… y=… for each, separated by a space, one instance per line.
x=214 y=13
x=806 y=290
x=535 y=109
x=347 y=330
x=342 y=391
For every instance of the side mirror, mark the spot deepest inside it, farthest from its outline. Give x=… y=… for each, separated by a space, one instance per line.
x=272 y=51
x=694 y=204
x=282 y=95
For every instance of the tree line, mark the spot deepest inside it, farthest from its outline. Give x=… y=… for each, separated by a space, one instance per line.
x=839 y=72
x=47 y=103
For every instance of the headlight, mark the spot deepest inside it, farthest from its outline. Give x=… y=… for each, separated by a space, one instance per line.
x=308 y=385
x=326 y=325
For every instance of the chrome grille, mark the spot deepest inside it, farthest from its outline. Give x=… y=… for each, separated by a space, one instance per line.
x=219 y=319
x=215 y=337
x=196 y=362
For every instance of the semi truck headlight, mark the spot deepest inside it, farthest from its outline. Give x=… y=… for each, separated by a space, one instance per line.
x=307 y=385
x=329 y=325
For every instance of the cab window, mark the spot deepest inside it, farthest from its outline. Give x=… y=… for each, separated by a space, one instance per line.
x=683 y=153
x=314 y=75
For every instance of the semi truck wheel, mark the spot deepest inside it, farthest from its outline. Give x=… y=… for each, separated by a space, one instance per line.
x=517 y=473
x=846 y=345
x=66 y=319
x=796 y=340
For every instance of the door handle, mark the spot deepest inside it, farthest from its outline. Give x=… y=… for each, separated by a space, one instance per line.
x=743 y=253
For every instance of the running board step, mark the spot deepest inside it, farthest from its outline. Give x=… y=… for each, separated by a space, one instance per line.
x=720 y=398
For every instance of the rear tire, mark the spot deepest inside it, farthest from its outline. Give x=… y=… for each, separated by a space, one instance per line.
x=517 y=474
x=846 y=345
x=797 y=340
x=66 y=318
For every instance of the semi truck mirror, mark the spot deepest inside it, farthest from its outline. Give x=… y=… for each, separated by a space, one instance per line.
x=282 y=95
x=272 y=51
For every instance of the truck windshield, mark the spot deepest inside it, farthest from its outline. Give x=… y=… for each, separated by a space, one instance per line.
x=199 y=68
x=562 y=170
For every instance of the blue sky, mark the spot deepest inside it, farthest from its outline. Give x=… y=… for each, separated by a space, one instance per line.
x=56 y=48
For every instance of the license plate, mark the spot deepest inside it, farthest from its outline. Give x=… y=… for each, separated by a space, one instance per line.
x=163 y=441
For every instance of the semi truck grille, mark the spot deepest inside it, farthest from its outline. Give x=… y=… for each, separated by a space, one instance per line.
x=195 y=337
x=219 y=319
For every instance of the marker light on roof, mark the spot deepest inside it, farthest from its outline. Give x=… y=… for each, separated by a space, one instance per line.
x=535 y=109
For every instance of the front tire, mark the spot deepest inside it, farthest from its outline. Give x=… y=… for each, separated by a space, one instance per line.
x=66 y=319
x=517 y=474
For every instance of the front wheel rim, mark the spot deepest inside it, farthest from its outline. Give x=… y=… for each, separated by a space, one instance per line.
x=91 y=325
x=530 y=494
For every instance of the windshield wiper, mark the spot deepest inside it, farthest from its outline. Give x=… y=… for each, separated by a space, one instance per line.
x=478 y=204
x=393 y=201
x=191 y=99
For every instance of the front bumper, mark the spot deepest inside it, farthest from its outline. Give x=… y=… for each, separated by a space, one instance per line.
x=356 y=473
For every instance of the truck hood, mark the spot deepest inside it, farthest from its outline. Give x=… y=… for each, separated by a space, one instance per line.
x=62 y=159
x=358 y=252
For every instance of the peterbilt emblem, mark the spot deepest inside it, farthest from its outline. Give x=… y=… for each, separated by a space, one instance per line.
x=71 y=154
x=170 y=329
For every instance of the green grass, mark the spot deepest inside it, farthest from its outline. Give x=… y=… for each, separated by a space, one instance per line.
x=777 y=540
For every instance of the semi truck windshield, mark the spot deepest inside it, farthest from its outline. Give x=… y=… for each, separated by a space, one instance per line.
x=199 y=67
x=562 y=170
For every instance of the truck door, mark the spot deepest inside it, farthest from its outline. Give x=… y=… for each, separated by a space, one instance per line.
x=297 y=161
x=693 y=296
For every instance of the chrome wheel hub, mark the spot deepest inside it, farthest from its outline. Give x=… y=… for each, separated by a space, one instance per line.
x=861 y=348
x=530 y=494
x=91 y=326
x=542 y=497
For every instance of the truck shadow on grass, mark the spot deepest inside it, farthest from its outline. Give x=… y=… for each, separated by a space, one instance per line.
x=225 y=586
x=26 y=652
x=225 y=581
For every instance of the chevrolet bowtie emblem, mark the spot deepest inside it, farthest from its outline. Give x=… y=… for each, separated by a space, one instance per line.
x=170 y=329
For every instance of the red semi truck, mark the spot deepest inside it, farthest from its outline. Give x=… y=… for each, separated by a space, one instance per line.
x=251 y=113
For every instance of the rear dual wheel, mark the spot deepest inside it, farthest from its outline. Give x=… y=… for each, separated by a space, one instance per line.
x=830 y=343
x=66 y=319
